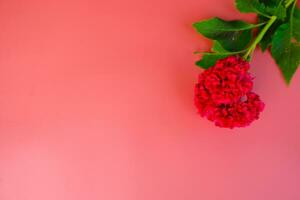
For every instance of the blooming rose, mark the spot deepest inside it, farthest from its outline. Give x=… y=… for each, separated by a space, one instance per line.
x=223 y=94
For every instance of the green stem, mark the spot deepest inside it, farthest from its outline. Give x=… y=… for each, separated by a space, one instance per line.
x=259 y=37
x=289 y=3
x=223 y=53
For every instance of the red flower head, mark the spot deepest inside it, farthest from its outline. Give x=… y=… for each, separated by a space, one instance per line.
x=223 y=94
x=227 y=81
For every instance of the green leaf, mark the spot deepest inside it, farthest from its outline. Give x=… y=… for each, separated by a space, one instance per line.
x=265 y=8
x=279 y=11
x=271 y=3
x=232 y=35
x=296 y=24
x=217 y=47
x=250 y=6
x=286 y=51
x=209 y=60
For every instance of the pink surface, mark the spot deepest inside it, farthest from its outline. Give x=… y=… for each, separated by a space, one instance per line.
x=97 y=103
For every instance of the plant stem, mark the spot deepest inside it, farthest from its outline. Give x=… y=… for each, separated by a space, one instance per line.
x=289 y=3
x=264 y=30
x=259 y=37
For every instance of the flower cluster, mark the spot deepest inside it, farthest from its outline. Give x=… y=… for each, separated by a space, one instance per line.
x=223 y=94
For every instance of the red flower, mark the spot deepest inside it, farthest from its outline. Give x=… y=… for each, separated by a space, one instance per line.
x=223 y=94
x=227 y=81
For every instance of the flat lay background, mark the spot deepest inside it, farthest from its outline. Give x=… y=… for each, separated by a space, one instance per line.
x=96 y=102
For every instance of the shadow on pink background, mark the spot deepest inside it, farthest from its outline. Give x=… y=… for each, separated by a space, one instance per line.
x=97 y=103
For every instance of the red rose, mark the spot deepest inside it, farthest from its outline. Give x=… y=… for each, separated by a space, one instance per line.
x=223 y=94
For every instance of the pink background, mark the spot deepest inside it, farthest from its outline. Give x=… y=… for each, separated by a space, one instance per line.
x=97 y=103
